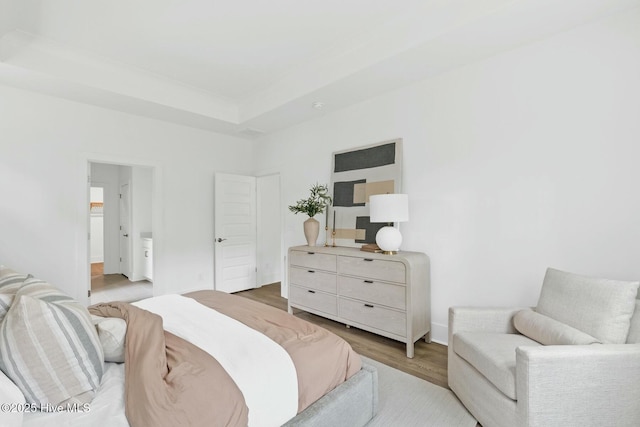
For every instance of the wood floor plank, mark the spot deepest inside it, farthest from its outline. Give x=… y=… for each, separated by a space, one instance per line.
x=429 y=362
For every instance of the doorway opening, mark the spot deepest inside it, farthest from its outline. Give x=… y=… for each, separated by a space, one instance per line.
x=120 y=218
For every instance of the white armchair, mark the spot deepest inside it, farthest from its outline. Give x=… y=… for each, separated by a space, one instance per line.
x=518 y=367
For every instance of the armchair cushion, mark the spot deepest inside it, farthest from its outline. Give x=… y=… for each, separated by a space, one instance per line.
x=548 y=331
x=634 y=329
x=601 y=308
x=493 y=355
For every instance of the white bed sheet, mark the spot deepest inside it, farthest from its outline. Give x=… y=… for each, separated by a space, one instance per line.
x=106 y=409
x=260 y=367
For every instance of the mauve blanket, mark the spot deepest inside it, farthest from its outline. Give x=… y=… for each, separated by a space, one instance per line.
x=322 y=359
x=169 y=381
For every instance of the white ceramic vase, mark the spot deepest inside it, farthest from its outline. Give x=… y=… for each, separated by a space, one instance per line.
x=311 y=231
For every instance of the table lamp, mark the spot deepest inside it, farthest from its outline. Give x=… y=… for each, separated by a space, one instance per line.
x=389 y=208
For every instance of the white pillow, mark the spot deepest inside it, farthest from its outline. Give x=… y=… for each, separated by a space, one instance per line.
x=112 y=332
x=548 y=331
x=634 y=329
x=11 y=395
x=601 y=308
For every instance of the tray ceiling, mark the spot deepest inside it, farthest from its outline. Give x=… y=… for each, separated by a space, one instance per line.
x=247 y=67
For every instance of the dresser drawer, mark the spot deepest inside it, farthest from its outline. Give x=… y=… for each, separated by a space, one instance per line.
x=372 y=291
x=388 y=271
x=314 y=279
x=313 y=299
x=313 y=260
x=385 y=319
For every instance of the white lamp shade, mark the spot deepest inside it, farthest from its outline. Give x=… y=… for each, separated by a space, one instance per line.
x=389 y=208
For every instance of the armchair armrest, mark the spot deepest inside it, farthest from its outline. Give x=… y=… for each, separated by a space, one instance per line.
x=585 y=385
x=482 y=319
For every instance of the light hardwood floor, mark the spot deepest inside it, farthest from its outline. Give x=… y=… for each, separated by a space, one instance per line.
x=429 y=362
x=116 y=287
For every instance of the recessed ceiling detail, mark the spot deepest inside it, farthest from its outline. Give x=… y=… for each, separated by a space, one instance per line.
x=252 y=67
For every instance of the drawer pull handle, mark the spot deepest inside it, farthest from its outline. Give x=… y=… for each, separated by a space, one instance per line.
x=368 y=305
x=311 y=253
x=311 y=292
x=310 y=271
x=368 y=259
x=368 y=281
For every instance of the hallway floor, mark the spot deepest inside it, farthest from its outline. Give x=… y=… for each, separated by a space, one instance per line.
x=116 y=287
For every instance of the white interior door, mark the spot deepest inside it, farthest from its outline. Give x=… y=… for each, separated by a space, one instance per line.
x=235 y=228
x=125 y=228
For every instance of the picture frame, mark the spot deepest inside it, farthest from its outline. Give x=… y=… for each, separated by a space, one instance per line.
x=356 y=174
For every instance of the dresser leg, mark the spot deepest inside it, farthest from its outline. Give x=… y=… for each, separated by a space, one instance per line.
x=290 y=310
x=427 y=337
x=410 y=350
x=348 y=326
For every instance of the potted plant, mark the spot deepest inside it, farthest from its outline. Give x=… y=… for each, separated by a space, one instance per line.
x=316 y=203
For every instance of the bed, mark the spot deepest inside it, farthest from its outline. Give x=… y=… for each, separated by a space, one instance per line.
x=203 y=358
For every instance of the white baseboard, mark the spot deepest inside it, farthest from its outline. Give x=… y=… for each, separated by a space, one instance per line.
x=268 y=279
x=440 y=333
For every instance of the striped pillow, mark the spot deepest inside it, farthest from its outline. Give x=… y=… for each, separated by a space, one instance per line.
x=49 y=346
x=5 y=303
x=10 y=281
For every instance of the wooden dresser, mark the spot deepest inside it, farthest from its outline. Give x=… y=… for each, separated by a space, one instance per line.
x=385 y=294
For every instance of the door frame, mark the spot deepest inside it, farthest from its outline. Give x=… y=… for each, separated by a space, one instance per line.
x=129 y=243
x=84 y=217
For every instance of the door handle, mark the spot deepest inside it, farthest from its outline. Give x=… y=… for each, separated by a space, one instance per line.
x=219 y=240
x=125 y=235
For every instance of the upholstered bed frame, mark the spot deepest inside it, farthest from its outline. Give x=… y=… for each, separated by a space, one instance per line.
x=154 y=327
x=353 y=403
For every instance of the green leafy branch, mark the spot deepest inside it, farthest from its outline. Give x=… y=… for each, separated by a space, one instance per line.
x=318 y=200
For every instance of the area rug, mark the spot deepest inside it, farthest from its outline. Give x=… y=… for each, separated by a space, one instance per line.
x=405 y=400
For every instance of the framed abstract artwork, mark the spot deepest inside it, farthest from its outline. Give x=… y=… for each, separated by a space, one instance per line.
x=357 y=174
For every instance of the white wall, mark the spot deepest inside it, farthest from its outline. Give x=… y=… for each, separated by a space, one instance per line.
x=525 y=160
x=269 y=220
x=7 y=16
x=141 y=206
x=45 y=146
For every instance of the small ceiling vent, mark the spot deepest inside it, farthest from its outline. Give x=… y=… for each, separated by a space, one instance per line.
x=251 y=132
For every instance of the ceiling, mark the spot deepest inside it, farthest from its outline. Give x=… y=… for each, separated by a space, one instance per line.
x=248 y=67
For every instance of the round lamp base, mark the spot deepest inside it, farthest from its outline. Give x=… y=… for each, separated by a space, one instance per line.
x=389 y=239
